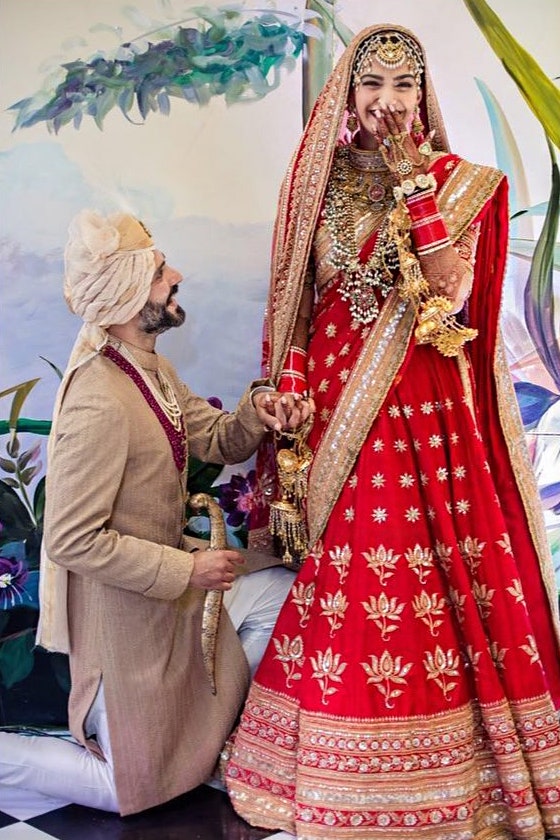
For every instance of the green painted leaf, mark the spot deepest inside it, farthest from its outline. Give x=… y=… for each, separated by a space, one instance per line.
x=39 y=502
x=538 y=91
x=535 y=210
x=539 y=291
x=17 y=658
x=229 y=55
x=525 y=248
x=508 y=156
x=14 y=515
x=20 y=395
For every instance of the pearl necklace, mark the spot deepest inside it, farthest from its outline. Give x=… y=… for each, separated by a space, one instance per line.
x=360 y=280
x=164 y=405
x=165 y=398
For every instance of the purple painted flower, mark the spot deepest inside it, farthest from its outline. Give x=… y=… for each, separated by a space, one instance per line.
x=215 y=402
x=237 y=498
x=13 y=577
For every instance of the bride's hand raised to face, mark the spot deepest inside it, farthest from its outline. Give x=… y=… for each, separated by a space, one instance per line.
x=403 y=157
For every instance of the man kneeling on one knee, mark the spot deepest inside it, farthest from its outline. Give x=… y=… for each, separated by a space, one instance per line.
x=122 y=589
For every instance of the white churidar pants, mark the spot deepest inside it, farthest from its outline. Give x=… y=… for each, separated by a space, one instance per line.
x=65 y=770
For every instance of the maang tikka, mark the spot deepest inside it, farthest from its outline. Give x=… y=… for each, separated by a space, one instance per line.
x=390 y=49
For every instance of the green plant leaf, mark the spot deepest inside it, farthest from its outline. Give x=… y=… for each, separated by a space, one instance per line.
x=538 y=91
x=54 y=367
x=525 y=248
x=202 y=476
x=535 y=210
x=14 y=515
x=327 y=9
x=539 y=292
x=39 y=502
x=20 y=395
x=318 y=59
x=17 y=658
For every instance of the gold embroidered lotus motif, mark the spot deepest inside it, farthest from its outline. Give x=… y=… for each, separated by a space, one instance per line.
x=327 y=668
x=341 y=557
x=427 y=608
x=421 y=561
x=383 y=562
x=385 y=672
x=303 y=596
x=290 y=654
x=483 y=596
x=334 y=607
x=441 y=665
x=471 y=550
x=383 y=611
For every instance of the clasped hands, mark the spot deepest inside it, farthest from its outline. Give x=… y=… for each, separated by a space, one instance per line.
x=282 y=412
x=217 y=568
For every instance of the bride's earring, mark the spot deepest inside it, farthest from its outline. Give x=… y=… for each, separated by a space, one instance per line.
x=352 y=122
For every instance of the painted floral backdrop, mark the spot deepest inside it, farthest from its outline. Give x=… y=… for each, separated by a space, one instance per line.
x=187 y=117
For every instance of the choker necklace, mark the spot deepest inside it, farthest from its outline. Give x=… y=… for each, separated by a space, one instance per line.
x=360 y=280
x=366 y=177
x=164 y=404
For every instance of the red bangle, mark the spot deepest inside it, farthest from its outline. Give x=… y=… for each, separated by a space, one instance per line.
x=293 y=378
x=428 y=228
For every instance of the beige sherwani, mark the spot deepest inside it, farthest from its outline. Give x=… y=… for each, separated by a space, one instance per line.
x=114 y=512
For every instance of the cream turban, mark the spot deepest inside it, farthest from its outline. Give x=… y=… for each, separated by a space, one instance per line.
x=109 y=267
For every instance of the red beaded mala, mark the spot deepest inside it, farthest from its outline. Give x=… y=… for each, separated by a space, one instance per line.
x=177 y=437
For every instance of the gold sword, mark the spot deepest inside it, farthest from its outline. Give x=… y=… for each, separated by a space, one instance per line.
x=214 y=597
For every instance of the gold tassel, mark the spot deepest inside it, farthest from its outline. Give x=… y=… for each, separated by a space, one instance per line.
x=436 y=323
x=437 y=326
x=287 y=514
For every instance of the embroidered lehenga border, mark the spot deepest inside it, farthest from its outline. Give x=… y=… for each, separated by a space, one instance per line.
x=355 y=775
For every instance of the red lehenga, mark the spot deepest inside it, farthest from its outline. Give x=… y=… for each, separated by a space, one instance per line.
x=411 y=685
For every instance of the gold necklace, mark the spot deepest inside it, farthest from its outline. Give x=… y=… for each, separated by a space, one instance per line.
x=366 y=178
x=360 y=280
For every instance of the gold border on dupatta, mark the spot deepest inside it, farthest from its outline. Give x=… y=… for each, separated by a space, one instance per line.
x=365 y=391
x=303 y=188
x=460 y=199
x=514 y=436
x=464 y=194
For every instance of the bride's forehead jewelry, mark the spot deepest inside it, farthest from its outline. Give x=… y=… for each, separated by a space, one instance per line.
x=390 y=50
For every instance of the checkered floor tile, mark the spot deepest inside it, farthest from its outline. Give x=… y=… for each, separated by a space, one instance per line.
x=204 y=814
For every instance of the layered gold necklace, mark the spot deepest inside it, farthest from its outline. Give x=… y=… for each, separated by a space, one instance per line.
x=360 y=181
